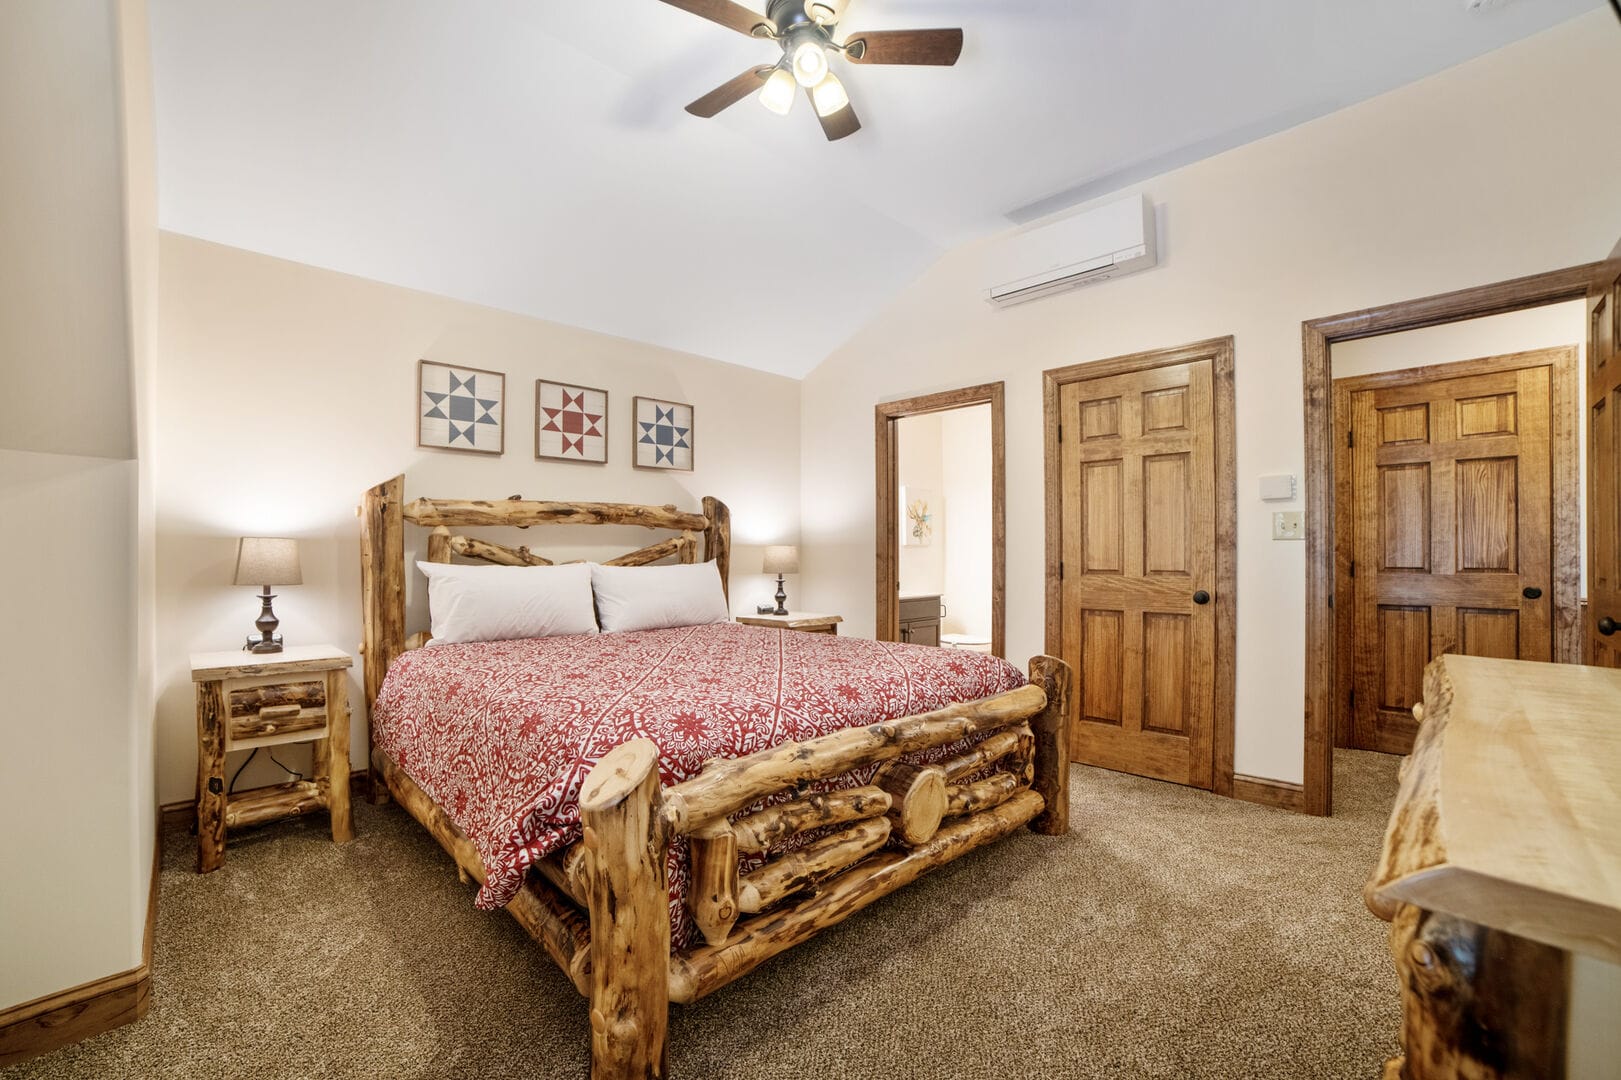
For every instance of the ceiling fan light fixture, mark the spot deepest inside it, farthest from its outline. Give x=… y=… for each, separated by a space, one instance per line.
x=779 y=92
x=829 y=96
x=810 y=64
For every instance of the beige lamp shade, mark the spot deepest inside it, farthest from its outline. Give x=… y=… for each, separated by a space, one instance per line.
x=267 y=560
x=782 y=559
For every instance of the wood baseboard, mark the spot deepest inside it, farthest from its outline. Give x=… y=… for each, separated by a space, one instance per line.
x=68 y=1016
x=1275 y=793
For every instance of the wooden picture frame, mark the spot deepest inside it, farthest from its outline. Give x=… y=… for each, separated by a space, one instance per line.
x=659 y=446
x=463 y=416
x=588 y=424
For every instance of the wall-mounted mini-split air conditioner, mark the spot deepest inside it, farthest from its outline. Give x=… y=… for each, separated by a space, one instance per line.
x=1107 y=241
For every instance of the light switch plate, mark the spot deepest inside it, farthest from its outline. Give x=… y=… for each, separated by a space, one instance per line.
x=1289 y=525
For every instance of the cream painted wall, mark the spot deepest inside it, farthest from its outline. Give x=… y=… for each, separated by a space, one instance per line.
x=922 y=567
x=965 y=457
x=1484 y=172
x=285 y=391
x=141 y=287
x=61 y=231
x=1517 y=331
x=77 y=773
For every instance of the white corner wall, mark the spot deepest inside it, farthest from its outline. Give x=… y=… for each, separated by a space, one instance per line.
x=76 y=775
x=918 y=468
x=1495 y=169
x=285 y=391
x=965 y=459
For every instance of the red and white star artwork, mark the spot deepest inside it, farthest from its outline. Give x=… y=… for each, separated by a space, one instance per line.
x=571 y=422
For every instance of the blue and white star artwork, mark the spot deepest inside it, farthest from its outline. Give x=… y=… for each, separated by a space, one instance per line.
x=460 y=408
x=663 y=432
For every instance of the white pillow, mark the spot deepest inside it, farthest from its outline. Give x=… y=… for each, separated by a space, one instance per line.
x=498 y=603
x=654 y=597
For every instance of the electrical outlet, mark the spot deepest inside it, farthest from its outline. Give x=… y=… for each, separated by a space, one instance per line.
x=1289 y=525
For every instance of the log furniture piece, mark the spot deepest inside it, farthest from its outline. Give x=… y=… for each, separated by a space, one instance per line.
x=246 y=701
x=1501 y=869
x=600 y=908
x=796 y=620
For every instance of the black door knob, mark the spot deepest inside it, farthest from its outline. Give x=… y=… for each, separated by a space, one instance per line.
x=1531 y=592
x=1201 y=597
x=1606 y=626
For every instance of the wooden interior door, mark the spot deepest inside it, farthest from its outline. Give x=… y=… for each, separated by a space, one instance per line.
x=1453 y=522
x=1603 y=642
x=1138 y=570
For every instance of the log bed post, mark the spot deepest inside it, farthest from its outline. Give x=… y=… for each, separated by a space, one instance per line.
x=382 y=598
x=718 y=541
x=1051 y=728
x=625 y=837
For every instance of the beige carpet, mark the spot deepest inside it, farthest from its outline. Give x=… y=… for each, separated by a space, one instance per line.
x=1171 y=934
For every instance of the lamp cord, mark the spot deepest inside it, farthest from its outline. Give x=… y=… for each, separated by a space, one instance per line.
x=230 y=788
x=1616 y=4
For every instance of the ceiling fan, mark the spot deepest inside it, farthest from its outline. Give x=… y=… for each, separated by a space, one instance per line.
x=804 y=29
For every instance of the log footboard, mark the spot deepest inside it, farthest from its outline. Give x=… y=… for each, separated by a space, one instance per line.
x=873 y=840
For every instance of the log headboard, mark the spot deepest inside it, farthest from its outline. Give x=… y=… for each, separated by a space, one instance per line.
x=384 y=513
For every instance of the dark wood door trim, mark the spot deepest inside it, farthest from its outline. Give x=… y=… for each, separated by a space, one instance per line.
x=885 y=414
x=1317 y=335
x=1565 y=454
x=1220 y=352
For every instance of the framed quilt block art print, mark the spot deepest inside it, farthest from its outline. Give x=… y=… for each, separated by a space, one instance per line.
x=571 y=422
x=663 y=433
x=461 y=408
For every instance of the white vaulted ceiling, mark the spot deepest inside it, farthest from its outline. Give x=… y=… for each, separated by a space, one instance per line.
x=533 y=155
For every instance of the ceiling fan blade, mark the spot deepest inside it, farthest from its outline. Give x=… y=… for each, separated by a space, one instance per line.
x=730 y=15
x=837 y=125
x=729 y=93
x=934 y=47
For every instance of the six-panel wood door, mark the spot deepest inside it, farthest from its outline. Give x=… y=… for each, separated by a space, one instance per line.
x=1603 y=629
x=1139 y=569
x=1452 y=503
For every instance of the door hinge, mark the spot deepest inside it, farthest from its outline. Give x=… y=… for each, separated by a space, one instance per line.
x=1353 y=568
x=1060 y=569
x=1060 y=433
x=1331 y=601
x=1353 y=699
x=1350 y=438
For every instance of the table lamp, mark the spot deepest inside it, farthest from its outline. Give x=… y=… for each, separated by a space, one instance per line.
x=781 y=559
x=266 y=561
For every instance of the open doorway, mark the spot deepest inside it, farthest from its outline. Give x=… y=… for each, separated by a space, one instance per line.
x=941 y=520
x=1457 y=519
x=1318 y=337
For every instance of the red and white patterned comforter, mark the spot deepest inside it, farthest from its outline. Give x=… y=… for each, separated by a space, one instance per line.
x=502 y=734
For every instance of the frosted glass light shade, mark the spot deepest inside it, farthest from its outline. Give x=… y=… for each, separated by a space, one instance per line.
x=782 y=559
x=267 y=560
x=778 y=92
x=828 y=96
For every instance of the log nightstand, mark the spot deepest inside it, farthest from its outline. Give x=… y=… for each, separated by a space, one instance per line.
x=796 y=620
x=246 y=701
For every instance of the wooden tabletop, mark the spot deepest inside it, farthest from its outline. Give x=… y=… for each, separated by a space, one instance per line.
x=794 y=620
x=1509 y=812
x=238 y=664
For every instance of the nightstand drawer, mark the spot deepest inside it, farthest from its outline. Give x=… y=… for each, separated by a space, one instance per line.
x=276 y=709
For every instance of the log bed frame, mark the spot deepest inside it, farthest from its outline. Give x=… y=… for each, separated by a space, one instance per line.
x=600 y=908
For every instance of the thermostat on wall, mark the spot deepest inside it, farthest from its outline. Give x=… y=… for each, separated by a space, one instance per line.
x=1275 y=488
